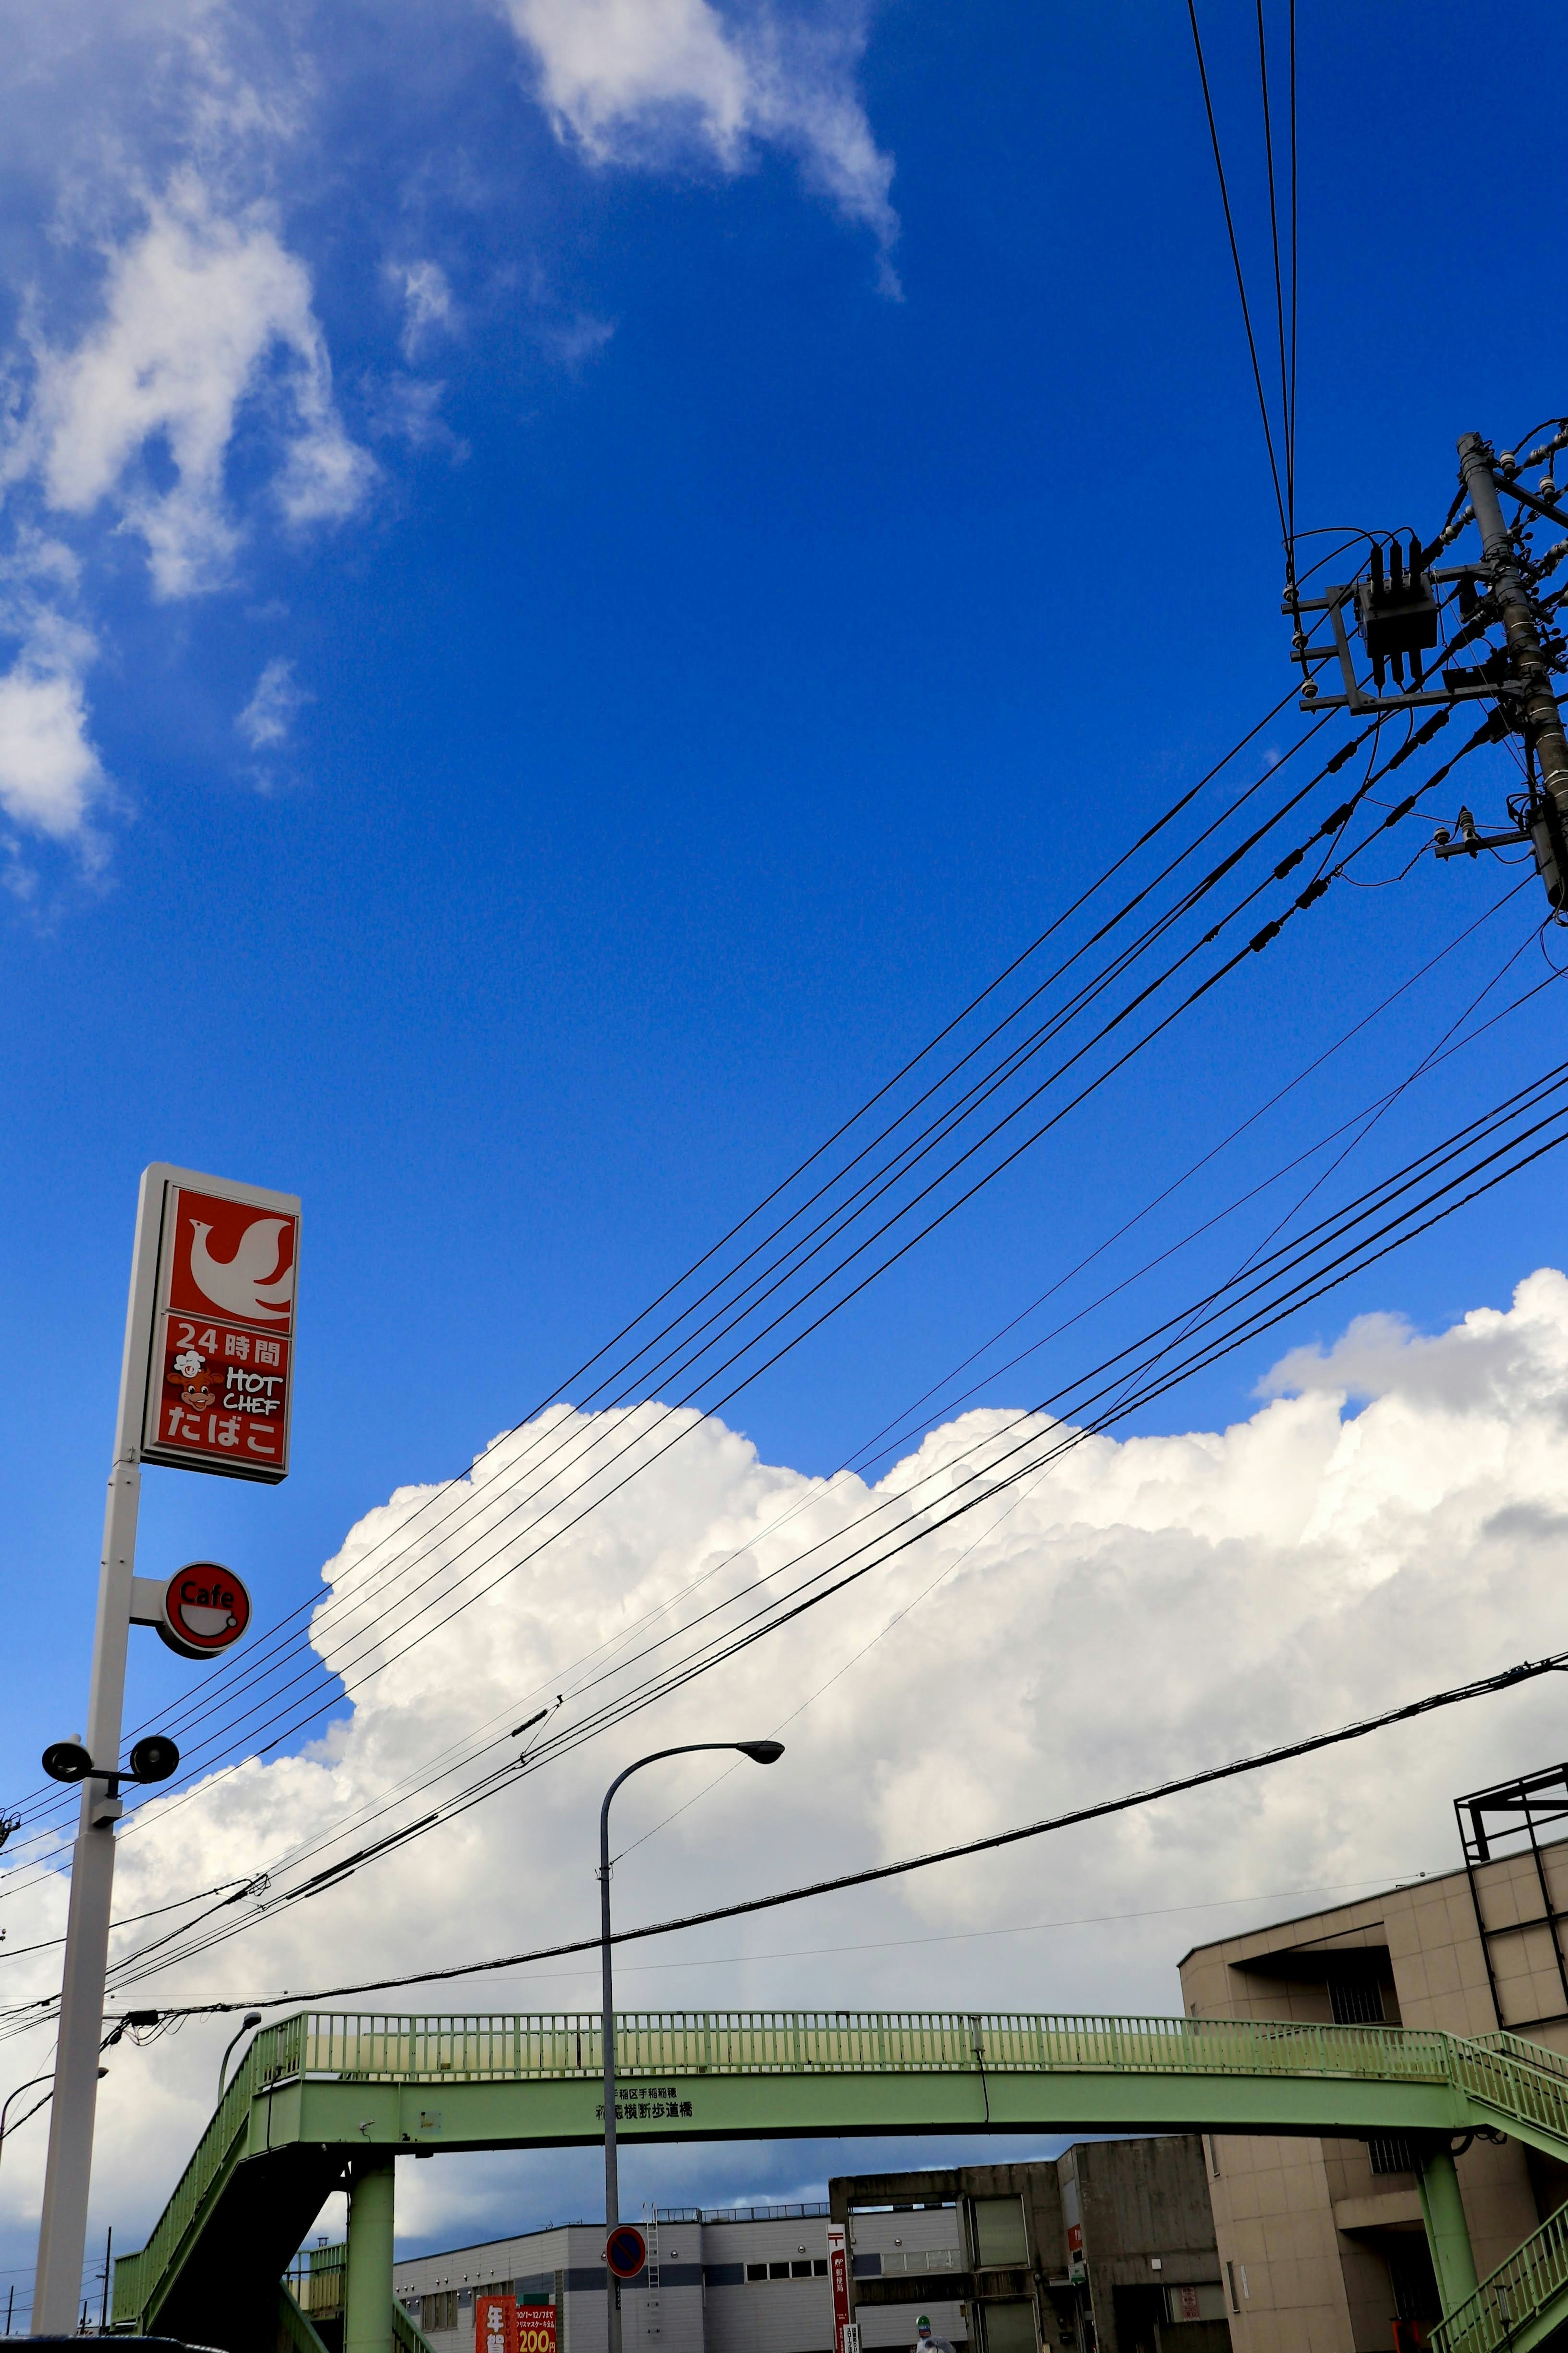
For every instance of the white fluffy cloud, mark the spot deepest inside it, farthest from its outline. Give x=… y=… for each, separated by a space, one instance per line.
x=629 y=81
x=267 y=719
x=1149 y=1606
x=201 y=313
x=50 y=774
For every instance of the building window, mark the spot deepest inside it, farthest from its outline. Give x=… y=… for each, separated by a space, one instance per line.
x=1203 y=2300
x=1230 y=2276
x=756 y=2270
x=778 y=2271
x=1008 y=2324
x=1212 y=2147
x=438 y=2311
x=998 y=2224
x=800 y=2271
x=1356 y=2001
x=1392 y=2153
x=819 y=2267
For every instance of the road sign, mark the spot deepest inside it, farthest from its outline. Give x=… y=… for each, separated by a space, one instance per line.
x=205 y=1610
x=221 y=1346
x=626 y=2252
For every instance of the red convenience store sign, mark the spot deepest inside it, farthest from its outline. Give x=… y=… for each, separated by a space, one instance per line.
x=223 y=1332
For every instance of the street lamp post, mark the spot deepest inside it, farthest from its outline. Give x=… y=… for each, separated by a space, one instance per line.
x=252 y=2017
x=761 y=1752
x=16 y=2095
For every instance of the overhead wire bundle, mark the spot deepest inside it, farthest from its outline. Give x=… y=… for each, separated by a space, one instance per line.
x=1267 y=1288
x=753 y=1306
x=949 y=1125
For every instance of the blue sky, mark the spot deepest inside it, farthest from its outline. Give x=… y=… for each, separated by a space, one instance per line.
x=576 y=581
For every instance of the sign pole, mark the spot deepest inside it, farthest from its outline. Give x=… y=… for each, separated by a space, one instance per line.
x=213 y=1395
x=68 y=2175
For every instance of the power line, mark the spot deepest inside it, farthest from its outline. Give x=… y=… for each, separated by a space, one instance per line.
x=1167 y=816
x=1011 y=1064
x=1339 y=761
x=1285 y=1752
x=1235 y=264
x=1320 y=1278
x=458 y=1803
x=389 y=1798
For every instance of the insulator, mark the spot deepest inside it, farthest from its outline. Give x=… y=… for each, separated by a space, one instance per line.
x=1377 y=569
x=1398 y=667
x=1377 y=672
x=1396 y=569
x=1414 y=565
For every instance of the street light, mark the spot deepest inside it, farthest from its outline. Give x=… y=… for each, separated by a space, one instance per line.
x=20 y=2088
x=252 y=2017
x=761 y=1752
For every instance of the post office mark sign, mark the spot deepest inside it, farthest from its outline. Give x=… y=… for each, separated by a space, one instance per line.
x=223 y=1332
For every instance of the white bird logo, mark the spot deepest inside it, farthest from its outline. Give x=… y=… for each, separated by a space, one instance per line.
x=248 y=1283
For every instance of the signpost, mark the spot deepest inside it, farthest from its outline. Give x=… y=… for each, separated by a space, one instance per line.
x=838 y=2280
x=204 y=1386
x=204 y=1610
x=626 y=2252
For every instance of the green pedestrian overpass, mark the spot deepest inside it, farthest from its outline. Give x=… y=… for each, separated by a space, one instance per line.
x=324 y=2101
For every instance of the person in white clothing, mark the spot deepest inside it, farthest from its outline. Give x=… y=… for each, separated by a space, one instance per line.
x=924 y=2341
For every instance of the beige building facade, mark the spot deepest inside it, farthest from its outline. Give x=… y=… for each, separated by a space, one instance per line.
x=1321 y=2242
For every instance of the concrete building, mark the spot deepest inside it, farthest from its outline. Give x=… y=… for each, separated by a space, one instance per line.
x=1109 y=2249
x=721 y=2280
x=1321 y=2242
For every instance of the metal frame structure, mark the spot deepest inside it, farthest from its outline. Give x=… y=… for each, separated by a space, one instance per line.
x=1511 y=1810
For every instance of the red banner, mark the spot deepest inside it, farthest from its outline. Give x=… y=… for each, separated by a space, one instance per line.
x=838 y=2278
x=495 y=2324
x=536 y=2328
x=501 y=2325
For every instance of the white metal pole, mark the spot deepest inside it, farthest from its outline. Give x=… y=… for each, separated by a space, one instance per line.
x=68 y=2175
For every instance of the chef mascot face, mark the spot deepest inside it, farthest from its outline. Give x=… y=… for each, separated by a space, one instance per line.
x=189 y=1370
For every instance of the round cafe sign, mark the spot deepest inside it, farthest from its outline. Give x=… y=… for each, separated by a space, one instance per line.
x=205 y=1610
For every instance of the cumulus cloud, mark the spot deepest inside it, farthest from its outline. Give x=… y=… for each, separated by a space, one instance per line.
x=50 y=772
x=1149 y=1605
x=200 y=312
x=633 y=80
x=267 y=719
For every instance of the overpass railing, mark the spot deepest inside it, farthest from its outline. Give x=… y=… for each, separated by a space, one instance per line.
x=374 y=2047
x=1518 y=2293
x=371 y=2048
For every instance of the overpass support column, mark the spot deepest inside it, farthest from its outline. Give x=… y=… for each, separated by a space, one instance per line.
x=367 y=2289
x=1447 y=2232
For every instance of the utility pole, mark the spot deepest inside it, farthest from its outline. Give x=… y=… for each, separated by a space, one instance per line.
x=1543 y=732
x=1405 y=605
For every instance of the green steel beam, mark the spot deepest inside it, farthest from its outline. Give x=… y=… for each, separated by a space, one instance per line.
x=367 y=2288
x=1447 y=2232
x=466 y=2115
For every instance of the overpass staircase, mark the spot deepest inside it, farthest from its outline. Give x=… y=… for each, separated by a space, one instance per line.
x=322 y=2098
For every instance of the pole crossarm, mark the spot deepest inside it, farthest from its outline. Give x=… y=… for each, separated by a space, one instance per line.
x=315 y=2090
